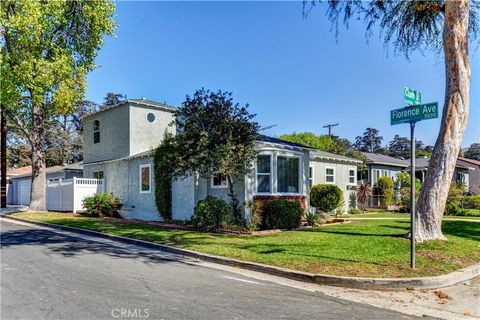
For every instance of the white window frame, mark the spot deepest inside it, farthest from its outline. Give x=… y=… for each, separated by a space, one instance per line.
x=300 y=175
x=222 y=186
x=354 y=176
x=95 y=131
x=149 y=166
x=312 y=178
x=264 y=174
x=334 y=180
x=155 y=116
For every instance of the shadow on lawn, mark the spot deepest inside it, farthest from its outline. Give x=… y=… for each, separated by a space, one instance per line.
x=353 y=233
x=462 y=229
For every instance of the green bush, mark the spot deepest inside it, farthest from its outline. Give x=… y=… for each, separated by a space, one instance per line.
x=163 y=167
x=353 y=211
x=312 y=219
x=211 y=214
x=385 y=187
x=453 y=209
x=325 y=197
x=282 y=214
x=472 y=201
x=101 y=204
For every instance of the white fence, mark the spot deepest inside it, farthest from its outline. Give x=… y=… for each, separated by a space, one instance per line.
x=67 y=195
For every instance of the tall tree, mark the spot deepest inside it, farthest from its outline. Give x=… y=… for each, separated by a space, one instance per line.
x=370 y=141
x=473 y=152
x=215 y=136
x=424 y=25
x=47 y=48
x=112 y=99
x=320 y=142
x=399 y=147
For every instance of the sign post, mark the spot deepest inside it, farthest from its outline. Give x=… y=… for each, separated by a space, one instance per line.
x=412 y=194
x=412 y=114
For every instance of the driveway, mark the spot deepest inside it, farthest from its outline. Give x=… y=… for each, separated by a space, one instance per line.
x=52 y=274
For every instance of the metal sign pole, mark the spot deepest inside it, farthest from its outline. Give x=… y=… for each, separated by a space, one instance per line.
x=412 y=194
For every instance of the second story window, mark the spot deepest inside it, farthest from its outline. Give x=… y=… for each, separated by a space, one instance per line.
x=96 y=131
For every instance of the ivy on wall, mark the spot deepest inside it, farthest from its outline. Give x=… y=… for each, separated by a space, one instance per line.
x=163 y=167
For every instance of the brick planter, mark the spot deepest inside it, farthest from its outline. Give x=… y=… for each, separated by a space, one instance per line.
x=266 y=199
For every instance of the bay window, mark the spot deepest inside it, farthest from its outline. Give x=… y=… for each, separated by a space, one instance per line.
x=264 y=174
x=288 y=174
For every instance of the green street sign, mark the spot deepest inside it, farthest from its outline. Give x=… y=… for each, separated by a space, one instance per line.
x=414 y=113
x=411 y=96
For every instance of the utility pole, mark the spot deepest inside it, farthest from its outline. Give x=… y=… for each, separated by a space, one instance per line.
x=329 y=126
x=3 y=153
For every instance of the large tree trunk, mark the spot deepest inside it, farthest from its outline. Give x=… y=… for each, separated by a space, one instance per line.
x=234 y=202
x=433 y=196
x=37 y=139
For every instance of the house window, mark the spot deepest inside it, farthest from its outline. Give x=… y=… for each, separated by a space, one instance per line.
x=145 y=178
x=351 y=176
x=310 y=177
x=151 y=117
x=96 y=131
x=288 y=174
x=98 y=175
x=219 y=181
x=330 y=175
x=264 y=174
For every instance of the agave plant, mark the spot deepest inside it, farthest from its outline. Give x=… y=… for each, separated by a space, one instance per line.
x=364 y=193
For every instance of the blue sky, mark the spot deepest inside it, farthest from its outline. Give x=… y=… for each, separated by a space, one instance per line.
x=292 y=71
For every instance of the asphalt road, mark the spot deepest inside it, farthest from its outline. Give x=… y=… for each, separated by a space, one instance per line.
x=50 y=274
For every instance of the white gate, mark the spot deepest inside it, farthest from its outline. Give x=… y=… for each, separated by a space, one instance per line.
x=67 y=195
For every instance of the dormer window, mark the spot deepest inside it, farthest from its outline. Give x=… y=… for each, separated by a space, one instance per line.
x=96 y=131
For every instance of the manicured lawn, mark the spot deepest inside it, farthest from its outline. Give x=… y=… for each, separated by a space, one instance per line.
x=372 y=248
x=476 y=215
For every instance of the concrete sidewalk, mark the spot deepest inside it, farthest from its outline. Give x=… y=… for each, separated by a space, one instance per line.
x=13 y=208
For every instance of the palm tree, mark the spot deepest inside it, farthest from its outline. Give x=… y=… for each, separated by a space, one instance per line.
x=364 y=194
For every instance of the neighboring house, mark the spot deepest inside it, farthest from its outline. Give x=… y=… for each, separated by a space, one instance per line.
x=118 y=144
x=473 y=174
x=460 y=175
x=329 y=168
x=20 y=180
x=379 y=165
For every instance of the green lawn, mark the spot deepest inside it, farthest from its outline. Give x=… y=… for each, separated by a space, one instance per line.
x=373 y=248
x=407 y=215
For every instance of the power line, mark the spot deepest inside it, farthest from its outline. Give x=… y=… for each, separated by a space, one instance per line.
x=329 y=126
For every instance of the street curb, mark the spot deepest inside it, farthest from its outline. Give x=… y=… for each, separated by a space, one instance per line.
x=446 y=280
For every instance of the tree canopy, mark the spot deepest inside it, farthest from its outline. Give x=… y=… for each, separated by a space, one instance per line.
x=215 y=136
x=370 y=141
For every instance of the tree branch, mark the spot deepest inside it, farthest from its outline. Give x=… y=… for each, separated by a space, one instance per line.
x=19 y=123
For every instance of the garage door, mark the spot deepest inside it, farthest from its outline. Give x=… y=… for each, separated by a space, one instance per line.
x=24 y=187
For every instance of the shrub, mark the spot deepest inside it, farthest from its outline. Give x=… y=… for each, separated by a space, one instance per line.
x=325 y=197
x=353 y=211
x=211 y=214
x=385 y=187
x=282 y=214
x=312 y=219
x=455 y=197
x=255 y=214
x=163 y=166
x=454 y=209
x=472 y=201
x=101 y=204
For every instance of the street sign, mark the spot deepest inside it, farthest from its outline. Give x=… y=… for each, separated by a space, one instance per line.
x=414 y=113
x=411 y=96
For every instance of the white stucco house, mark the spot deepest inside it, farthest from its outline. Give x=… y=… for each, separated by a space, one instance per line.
x=118 y=144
